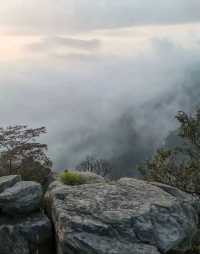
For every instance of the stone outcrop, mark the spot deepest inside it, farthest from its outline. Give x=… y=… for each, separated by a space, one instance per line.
x=124 y=217
x=89 y=177
x=128 y=216
x=8 y=181
x=24 y=229
x=22 y=198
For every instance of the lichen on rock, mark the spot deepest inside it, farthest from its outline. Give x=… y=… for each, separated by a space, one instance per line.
x=123 y=217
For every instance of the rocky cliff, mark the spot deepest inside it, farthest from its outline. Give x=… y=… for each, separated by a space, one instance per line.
x=124 y=217
x=128 y=216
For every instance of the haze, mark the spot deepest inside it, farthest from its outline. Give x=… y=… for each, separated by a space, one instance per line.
x=78 y=67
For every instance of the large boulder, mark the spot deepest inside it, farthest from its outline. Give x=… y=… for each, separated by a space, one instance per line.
x=22 y=198
x=125 y=217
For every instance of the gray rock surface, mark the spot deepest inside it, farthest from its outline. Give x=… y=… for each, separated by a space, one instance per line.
x=89 y=177
x=8 y=181
x=125 y=217
x=24 y=229
x=28 y=235
x=22 y=198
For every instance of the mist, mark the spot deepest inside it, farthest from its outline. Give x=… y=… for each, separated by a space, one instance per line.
x=109 y=85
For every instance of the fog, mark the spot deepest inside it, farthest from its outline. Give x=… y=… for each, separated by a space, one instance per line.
x=67 y=16
x=102 y=81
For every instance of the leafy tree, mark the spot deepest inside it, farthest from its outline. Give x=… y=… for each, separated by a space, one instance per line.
x=98 y=166
x=179 y=167
x=18 y=146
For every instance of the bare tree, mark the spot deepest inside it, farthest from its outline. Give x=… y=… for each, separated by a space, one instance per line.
x=98 y=166
x=18 y=144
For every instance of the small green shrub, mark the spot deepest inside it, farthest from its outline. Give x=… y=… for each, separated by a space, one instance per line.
x=71 y=178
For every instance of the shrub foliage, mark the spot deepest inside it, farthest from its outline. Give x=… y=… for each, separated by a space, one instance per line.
x=71 y=178
x=20 y=153
x=179 y=167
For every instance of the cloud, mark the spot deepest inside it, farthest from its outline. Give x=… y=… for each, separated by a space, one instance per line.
x=69 y=16
x=117 y=107
x=49 y=43
x=112 y=92
x=60 y=48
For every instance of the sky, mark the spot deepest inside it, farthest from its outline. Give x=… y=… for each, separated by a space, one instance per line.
x=78 y=66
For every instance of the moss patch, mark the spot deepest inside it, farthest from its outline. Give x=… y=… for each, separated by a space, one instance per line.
x=71 y=178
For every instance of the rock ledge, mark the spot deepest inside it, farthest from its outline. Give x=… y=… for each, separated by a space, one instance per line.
x=124 y=217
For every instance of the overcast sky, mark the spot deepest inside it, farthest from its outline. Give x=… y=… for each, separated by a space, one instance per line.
x=76 y=66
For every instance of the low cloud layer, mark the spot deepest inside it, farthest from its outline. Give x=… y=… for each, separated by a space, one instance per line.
x=65 y=16
x=110 y=107
x=49 y=43
x=104 y=77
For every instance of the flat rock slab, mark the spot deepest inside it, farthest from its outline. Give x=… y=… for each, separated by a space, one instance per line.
x=22 y=198
x=89 y=177
x=124 y=217
x=8 y=181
